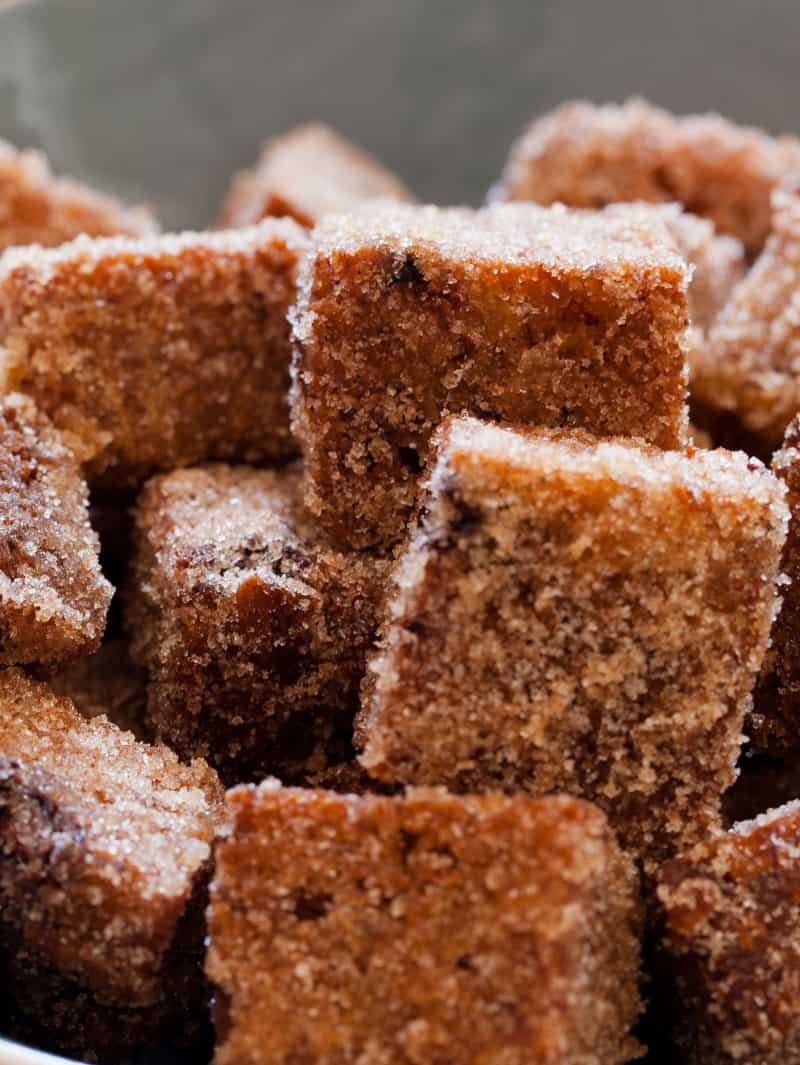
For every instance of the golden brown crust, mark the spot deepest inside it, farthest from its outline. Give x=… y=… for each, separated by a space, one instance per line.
x=529 y=314
x=586 y=155
x=732 y=929
x=253 y=630
x=53 y=597
x=104 y=841
x=421 y=931
x=749 y=365
x=305 y=174
x=37 y=208
x=578 y=615
x=154 y=353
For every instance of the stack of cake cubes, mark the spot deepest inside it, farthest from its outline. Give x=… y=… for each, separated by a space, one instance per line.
x=390 y=672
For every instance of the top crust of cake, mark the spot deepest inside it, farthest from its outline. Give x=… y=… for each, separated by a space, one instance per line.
x=630 y=237
x=37 y=208
x=306 y=173
x=495 y=457
x=42 y=263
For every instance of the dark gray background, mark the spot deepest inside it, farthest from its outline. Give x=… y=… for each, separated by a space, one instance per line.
x=163 y=99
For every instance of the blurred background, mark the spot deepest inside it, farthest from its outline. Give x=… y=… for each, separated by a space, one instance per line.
x=161 y=100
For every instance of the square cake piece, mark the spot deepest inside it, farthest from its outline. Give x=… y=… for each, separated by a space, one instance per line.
x=422 y=930
x=586 y=155
x=307 y=173
x=105 y=849
x=578 y=615
x=53 y=597
x=520 y=313
x=155 y=353
x=253 y=630
x=750 y=365
x=774 y=724
x=731 y=914
x=37 y=208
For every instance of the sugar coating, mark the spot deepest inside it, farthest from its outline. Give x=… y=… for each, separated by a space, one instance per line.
x=155 y=353
x=578 y=615
x=732 y=931
x=53 y=597
x=253 y=630
x=750 y=363
x=107 y=683
x=586 y=155
x=37 y=208
x=307 y=173
x=775 y=721
x=103 y=842
x=529 y=314
x=421 y=930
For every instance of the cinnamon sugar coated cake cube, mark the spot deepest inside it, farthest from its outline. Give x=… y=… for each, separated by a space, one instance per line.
x=105 y=847
x=578 y=615
x=53 y=597
x=37 y=208
x=749 y=366
x=155 y=353
x=522 y=313
x=586 y=155
x=252 y=629
x=421 y=930
x=775 y=721
x=307 y=173
x=731 y=913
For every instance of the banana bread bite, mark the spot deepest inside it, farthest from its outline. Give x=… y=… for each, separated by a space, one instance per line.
x=749 y=367
x=155 y=353
x=586 y=155
x=308 y=172
x=534 y=315
x=578 y=615
x=104 y=844
x=53 y=597
x=37 y=208
x=252 y=629
x=732 y=934
x=421 y=930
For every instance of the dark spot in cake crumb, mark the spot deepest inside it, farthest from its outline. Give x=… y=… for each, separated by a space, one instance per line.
x=409 y=458
x=312 y=906
x=408 y=841
x=408 y=273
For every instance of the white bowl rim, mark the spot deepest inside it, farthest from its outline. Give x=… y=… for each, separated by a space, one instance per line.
x=17 y=1054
